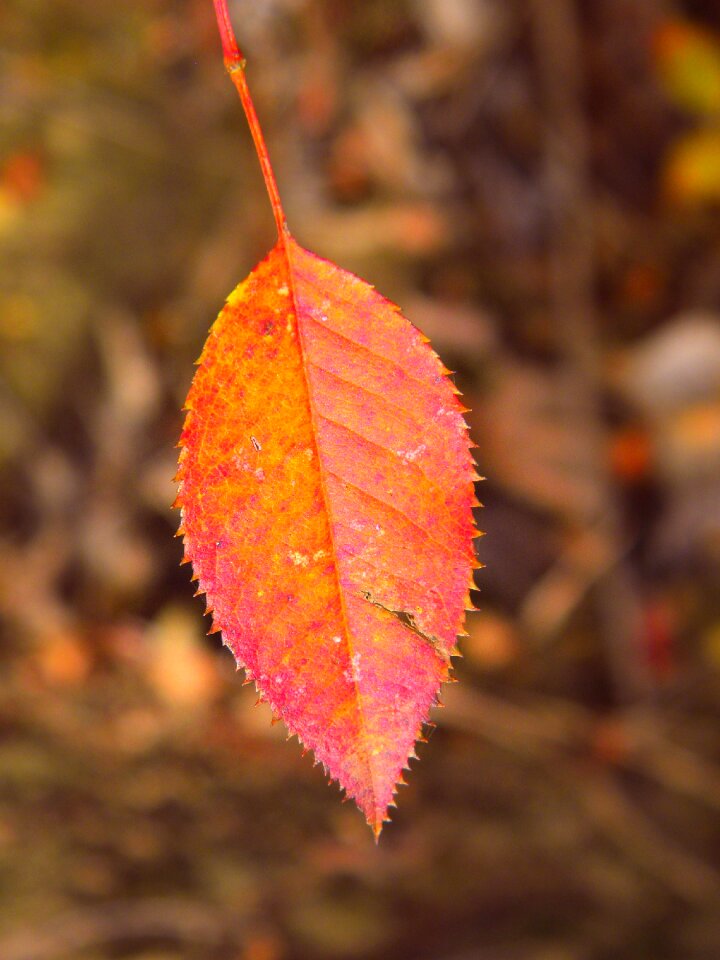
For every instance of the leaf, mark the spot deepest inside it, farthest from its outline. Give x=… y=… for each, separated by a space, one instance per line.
x=326 y=489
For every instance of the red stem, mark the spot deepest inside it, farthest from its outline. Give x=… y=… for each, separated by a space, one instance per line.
x=235 y=66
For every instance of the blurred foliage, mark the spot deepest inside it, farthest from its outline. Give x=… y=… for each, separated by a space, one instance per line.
x=688 y=64
x=537 y=185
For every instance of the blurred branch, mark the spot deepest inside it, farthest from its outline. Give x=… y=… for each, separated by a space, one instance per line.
x=634 y=834
x=550 y=726
x=563 y=737
x=572 y=272
x=584 y=563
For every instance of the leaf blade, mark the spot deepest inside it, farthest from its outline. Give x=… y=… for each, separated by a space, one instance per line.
x=333 y=543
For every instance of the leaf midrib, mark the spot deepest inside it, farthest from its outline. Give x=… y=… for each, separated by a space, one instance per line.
x=285 y=241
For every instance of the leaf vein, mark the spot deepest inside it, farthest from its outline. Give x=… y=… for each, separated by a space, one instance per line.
x=384 y=358
x=395 y=509
x=415 y=466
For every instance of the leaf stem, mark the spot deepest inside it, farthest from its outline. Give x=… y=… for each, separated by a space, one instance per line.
x=235 y=66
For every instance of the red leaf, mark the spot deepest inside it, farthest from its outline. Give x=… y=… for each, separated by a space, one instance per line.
x=326 y=489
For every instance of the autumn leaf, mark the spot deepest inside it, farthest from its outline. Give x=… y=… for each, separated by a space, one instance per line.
x=326 y=490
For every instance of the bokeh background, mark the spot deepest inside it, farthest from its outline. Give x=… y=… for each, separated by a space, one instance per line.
x=537 y=182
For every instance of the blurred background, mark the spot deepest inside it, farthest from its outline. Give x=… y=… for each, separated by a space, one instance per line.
x=538 y=185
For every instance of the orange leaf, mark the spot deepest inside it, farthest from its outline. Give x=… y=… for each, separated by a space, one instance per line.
x=326 y=489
